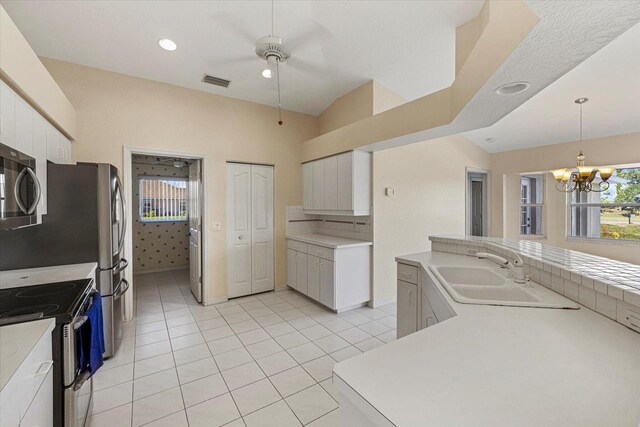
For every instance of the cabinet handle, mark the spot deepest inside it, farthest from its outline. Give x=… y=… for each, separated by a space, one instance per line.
x=44 y=368
x=411 y=296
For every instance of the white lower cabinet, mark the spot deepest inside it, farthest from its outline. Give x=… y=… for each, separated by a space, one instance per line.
x=408 y=306
x=420 y=302
x=327 y=283
x=301 y=272
x=40 y=412
x=338 y=278
x=313 y=277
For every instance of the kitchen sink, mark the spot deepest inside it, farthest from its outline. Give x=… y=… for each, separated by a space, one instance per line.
x=492 y=286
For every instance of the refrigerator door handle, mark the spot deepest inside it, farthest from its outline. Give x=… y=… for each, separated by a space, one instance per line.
x=120 y=291
x=123 y=206
x=120 y=266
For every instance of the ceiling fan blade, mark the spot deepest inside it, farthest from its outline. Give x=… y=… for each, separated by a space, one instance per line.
x=230 y=22
x=315 y=31
x=313 y=69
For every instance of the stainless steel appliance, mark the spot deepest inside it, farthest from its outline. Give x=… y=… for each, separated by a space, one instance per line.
x=19 y=189
x=67 y=302
x=85 y=222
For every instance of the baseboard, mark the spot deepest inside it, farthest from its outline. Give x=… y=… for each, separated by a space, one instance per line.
x=380 y=302
x=280 y=288
x=216 y=300
x=161 y=270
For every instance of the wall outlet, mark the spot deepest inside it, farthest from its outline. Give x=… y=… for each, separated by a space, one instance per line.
x=217 y=226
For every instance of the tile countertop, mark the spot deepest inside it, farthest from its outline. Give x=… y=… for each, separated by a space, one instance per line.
x=43 y=275
x=500 y=366
x=16 y=342
x=332 y=242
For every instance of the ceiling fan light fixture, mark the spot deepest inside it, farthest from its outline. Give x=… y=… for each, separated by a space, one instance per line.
x=266 y=73
x=168 y=44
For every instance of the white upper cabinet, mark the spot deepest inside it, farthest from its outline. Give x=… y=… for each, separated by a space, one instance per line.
x=318 y=184
x=58 y=146
x=307 y=179
x=338 y=185
x=7 y=115
x=23 y=127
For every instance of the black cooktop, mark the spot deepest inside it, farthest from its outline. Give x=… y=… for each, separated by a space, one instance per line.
x=52 y=300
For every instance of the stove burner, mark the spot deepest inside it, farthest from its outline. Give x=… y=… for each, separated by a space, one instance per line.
x=4 y=293
x=45 y=290
x=44 y=308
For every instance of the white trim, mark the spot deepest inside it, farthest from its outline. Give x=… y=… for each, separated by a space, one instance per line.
x=380 y=302
x=128 y=153
x=217 y=300
x=162 y=269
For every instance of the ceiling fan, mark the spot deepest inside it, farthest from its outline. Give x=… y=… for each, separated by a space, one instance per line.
x=274 y=51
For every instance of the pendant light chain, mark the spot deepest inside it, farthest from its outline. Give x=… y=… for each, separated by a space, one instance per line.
x=581 y=122
x=273 y=17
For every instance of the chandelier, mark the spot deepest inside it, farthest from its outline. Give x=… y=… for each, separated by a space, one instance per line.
x=581 y=178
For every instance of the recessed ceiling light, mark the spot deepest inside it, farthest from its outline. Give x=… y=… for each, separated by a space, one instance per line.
x=513 y=88
x=167 y=44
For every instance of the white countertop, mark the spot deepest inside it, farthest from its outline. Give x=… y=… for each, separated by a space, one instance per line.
x=16 y=342
x=332 y=242
x=43 y=275
x=503 y=366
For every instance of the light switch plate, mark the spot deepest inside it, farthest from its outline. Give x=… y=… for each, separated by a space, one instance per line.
x=217 y=226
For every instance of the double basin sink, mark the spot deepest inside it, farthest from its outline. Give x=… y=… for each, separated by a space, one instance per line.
x=492 y=286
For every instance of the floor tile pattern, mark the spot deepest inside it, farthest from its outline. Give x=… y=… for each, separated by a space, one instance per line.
x=261 y=360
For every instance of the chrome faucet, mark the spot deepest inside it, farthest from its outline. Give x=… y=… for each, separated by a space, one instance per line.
x=517 y=267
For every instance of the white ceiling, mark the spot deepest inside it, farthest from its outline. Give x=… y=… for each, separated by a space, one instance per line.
x=336 y=46
x=610 y=79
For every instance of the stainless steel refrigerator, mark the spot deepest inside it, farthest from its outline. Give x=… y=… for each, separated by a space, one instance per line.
x=85 y=222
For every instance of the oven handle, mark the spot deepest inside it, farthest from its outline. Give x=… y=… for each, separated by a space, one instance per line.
x=119 y=291
x=120 y=267
x=33 y=207
x=16 y=190
x=80 y=380
x=79 y=322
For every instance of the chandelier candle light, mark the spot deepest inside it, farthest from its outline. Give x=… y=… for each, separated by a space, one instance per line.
x=581 y=178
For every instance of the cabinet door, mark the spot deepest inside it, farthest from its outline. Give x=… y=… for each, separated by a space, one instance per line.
x=40 y=153
x=40 y=412
x=313 y=277
x=318 y=184
x=428 y=317
x=307 y=180
x=301 y=272
x=65 y=150
x=23 y=126
x=331 y=183
x=327 y=283
x=407 y=308
x=7 y=115
x=345 y=181
x=53 y=144
x=291 y=268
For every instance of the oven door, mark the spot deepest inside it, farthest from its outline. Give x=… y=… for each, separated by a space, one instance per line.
x=19 y=189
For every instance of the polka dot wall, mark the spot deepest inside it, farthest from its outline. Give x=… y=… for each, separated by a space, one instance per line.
x=163 y=245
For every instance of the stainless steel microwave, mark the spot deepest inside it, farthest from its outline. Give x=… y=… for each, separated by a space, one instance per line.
x=19 y=189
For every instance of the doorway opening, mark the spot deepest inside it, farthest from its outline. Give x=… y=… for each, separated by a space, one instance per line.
x=164 y=219
x=477 y=202
x=250 y=229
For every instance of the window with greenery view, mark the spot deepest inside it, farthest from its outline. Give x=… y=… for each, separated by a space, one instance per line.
x=162 y=199
x=531 y=204
x=613 y=214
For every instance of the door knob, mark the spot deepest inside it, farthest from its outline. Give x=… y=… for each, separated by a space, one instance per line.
x=241 y=237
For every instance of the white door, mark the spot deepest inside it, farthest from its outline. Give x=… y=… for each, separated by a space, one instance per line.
x=331 y=183
x=345 y=181
x=408 y=306
x=307 y=179
x=313 y=277
x=318 y=184
x=262 y=229
x=195 y=228
x=250 y=257
x=327 y=283
x=291 y=268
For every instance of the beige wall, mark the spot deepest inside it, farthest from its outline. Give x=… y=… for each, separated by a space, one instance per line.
x=429 y=183
x=384 y=98
x=21 y=69
x=157 y=245
x=115 y=111
x=505 y=170
x=349 y=108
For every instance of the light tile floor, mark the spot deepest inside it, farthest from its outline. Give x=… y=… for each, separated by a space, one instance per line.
x=262 y=360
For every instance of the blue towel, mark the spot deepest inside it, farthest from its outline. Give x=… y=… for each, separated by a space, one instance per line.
x=90 y=338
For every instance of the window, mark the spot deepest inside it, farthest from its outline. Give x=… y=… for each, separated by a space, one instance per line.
x=531 y=204
x=613 y=214
x=162 y=199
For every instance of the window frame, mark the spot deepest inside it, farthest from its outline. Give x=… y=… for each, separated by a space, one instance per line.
x=141 y=219
x=541 y=205
x=599 y=240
